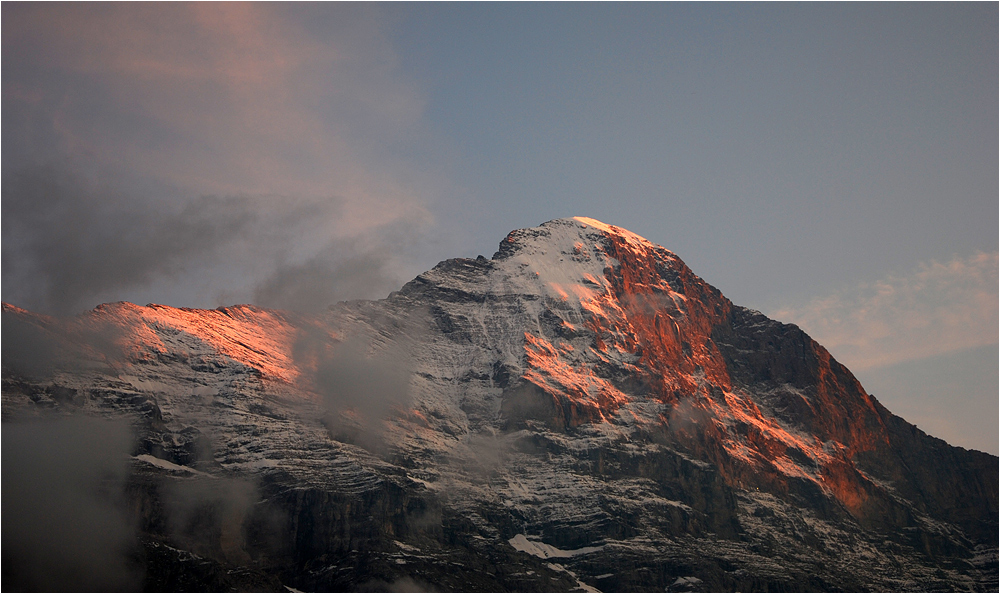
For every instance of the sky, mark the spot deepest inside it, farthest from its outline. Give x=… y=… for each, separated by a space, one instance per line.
x=831 y=165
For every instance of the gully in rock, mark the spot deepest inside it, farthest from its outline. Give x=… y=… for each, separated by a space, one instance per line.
x=579 y=412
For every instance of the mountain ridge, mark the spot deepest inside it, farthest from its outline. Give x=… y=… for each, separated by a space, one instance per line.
x=581 y=391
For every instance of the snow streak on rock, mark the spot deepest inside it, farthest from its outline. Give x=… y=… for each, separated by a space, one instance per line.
x=583 y=387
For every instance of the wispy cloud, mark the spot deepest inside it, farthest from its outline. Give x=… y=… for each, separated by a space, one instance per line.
x=359 y=388
x=66 y=242
x=938 y=308
x=225 y=99
x=121 y=119
x=66 y=521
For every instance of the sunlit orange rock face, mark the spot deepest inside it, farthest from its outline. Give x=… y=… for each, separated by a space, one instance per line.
x=684 y=337
x=122 y=333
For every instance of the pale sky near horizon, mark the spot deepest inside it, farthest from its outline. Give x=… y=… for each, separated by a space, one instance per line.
x=832 y=165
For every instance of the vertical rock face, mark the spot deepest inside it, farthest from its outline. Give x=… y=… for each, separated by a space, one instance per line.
x=581 y=411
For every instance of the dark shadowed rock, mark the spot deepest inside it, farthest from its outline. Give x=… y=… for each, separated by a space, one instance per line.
x=581 y=412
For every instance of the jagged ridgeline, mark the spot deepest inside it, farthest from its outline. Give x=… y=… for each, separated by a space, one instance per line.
x=580 y=412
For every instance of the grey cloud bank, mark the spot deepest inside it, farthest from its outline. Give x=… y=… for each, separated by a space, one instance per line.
x=193 y=154
x=70 y=244
x=67 y=243
x=65 y=522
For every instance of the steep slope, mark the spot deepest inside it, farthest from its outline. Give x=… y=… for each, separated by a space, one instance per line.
x=580 y=411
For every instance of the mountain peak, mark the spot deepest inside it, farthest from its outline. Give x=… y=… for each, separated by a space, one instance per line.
x=582 y=396
x=569 y=231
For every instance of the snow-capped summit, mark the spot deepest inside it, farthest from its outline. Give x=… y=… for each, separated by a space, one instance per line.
x=580 y=411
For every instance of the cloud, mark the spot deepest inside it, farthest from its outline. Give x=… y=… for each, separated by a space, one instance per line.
x=66 y=524
x=207 y=515
x=38 y=346
x=371 y=265
x=70 y=242
x=67 y=241
x=228 y=99
x=197 y=152
x=29 y=350
x=322 y=280
x=360 y=384
x=938 y=308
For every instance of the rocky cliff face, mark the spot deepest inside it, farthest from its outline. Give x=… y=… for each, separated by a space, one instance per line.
x=581 y=411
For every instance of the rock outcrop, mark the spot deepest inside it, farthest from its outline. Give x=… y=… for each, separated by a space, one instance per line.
x=581 y=411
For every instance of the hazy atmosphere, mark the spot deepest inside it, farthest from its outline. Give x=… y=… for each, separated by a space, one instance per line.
x=832 y=165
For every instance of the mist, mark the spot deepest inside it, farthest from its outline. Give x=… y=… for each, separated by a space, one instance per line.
x=66 y=525
x=72 y=241
x=68 y=241
x=359 y=385
x=206 y=515
x=29 y=350
x=367 y=266
x=36 y=347
x=159 y=154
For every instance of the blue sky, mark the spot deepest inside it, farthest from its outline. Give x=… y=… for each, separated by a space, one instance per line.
x=833 y=165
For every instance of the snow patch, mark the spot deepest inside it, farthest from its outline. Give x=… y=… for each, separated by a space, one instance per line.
x=579 y=583
x=165 y=465
x=544 y=551
x=406 y=547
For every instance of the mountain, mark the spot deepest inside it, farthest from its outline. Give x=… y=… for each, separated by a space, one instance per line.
x=580 y=412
